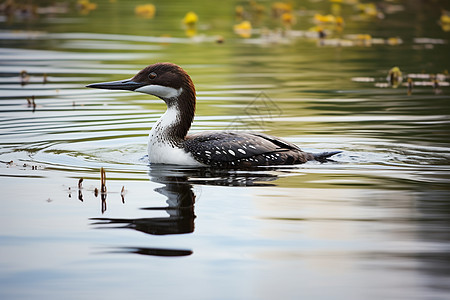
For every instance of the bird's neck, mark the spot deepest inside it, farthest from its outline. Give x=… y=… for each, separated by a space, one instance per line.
x=173 y=126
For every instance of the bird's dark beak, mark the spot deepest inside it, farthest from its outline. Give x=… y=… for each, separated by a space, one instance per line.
x=128 y=85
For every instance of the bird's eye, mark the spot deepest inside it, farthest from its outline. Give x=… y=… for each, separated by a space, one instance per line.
x=152 y=75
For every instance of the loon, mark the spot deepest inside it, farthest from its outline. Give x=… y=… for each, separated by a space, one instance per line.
x=169 y=142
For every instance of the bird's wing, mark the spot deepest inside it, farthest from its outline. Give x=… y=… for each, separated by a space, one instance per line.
x=222 y=148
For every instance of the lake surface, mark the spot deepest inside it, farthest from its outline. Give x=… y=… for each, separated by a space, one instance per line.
x=374 y=223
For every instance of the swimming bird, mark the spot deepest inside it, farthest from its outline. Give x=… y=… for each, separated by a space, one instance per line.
x=169 y=142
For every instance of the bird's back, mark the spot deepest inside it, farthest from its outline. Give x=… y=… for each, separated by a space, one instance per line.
x=243 y=149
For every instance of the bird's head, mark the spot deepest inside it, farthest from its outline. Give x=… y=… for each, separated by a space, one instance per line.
x=164 y=80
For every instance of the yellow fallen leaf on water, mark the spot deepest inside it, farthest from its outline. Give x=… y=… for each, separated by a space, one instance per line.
x=85 y=6
x=288 y=19
x=190 y=31
x=146 y=11
x=239 y=10
x=445 y=19
x=190 y=19
x=364 y=37
x=279 y=8
x=394 y=41
x=243 y=29
x=324 y=18
x=256 y=7
x=369 y=9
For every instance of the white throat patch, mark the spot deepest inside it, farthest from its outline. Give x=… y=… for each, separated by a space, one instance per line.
x=160 y=149
x=160 y=91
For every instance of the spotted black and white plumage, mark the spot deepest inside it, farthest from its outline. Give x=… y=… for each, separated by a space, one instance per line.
x=243 y=149
x=168 y=139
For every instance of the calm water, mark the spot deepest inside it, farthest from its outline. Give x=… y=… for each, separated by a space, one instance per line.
x=372 y=224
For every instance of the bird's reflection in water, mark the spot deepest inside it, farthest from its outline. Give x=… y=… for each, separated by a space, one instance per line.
x=177 y=187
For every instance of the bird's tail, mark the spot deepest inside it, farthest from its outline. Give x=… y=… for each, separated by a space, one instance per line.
x=323 y=156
